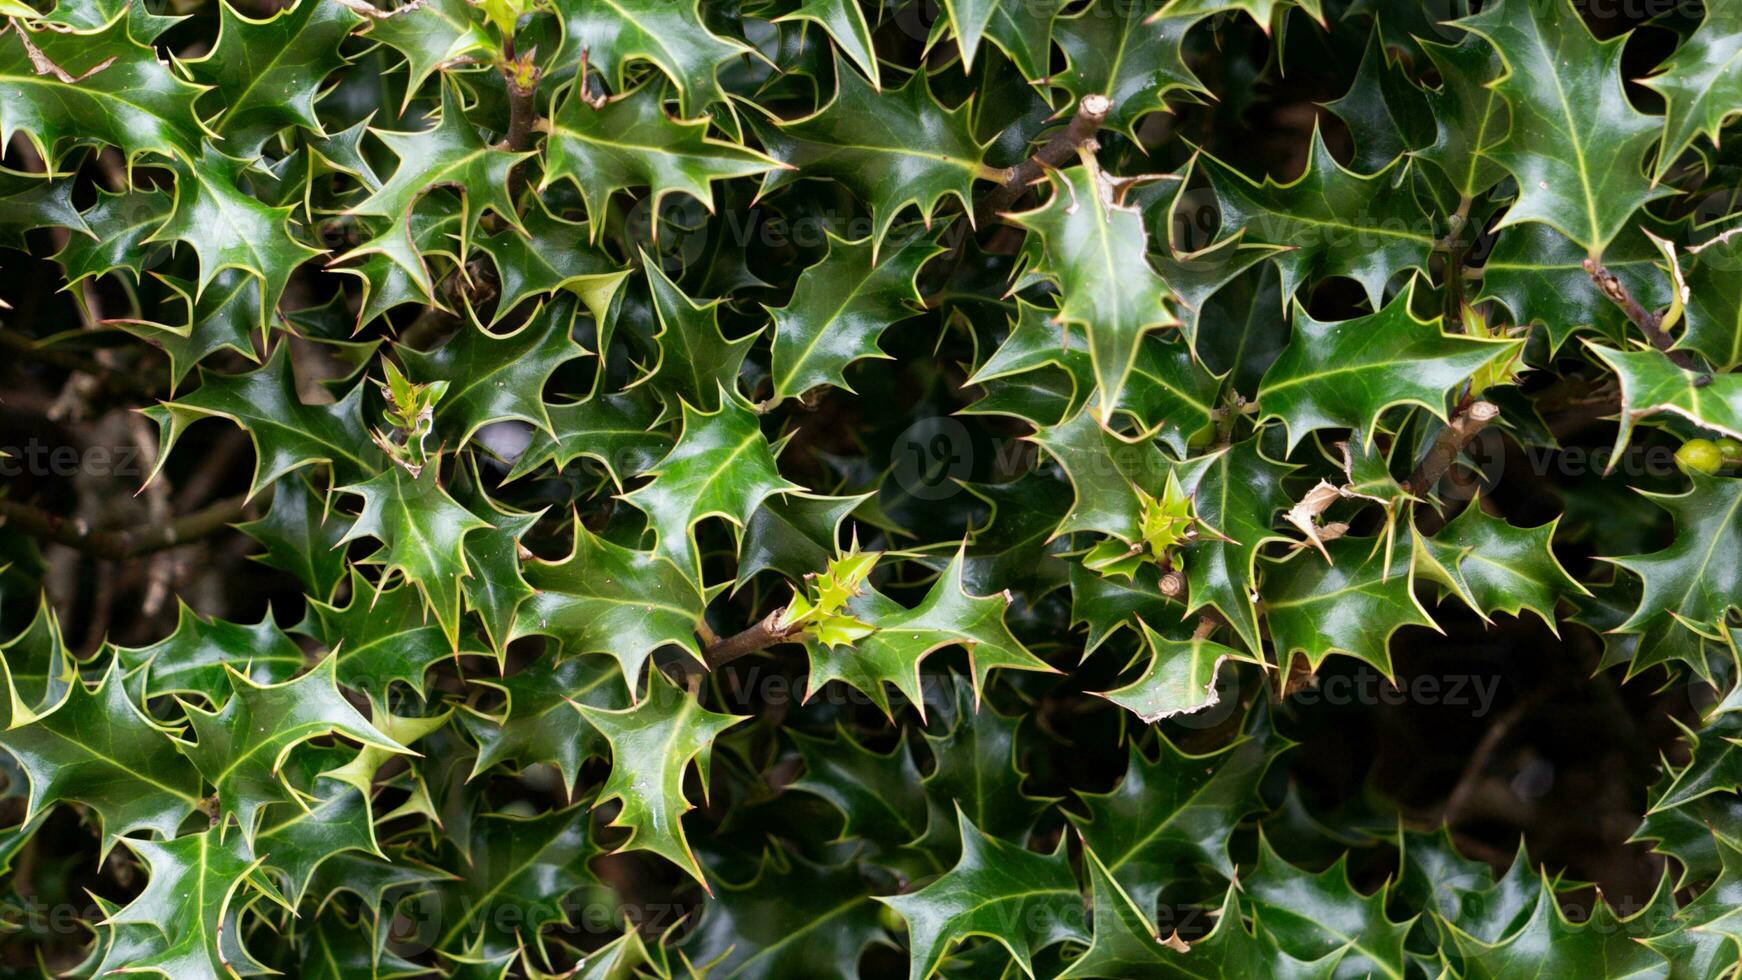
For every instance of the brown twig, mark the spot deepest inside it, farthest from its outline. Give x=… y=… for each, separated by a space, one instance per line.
x=1091 y=113
x=1649 y=323
x=119 y=382
x=119 y=545
x=1465 y=423
x=767 y=632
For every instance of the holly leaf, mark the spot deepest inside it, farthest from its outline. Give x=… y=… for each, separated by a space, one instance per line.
x=1688 y=578
x=773 y=926
x=431 y=35
x=872 y=790
x=902 y=638
x=1129 y=56
x=1312 y=916
x=1333 y=221
x=300 y=537
x=1539 y=276
x=242 y=747
x=379 y=636
x=517 y=880
x=194 y=658
x=1345 y=374
x=1495 y=567
x=1469 y=116
x=917 y=152
x=196 y=886
x=1236 y=494
x=492 y=377
x=1576 y=144
x=1106 y=470
x=605 y=598
x=629 y=141
x=1095 y=249
x=1651 y=383
x=1350 y=604
x=549 y=255
x=268 y=73
x=1701 y=84
x=1714 y=302
x=1551 y=944
x=615 y=430
x=287 y=432
x=1175 y=813
x=652 y=745
x=539 y=719
x=795 y=534
x=612 y=36
x=721 y=466
x=696 y=363
x=1180 y=678
x=840 y=307
x=422 y=533
x=845 y=24
x=1022 y=900
x=98 y=748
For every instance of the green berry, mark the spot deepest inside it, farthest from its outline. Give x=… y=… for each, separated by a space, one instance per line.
x=1730 y=449
x=1699 y=454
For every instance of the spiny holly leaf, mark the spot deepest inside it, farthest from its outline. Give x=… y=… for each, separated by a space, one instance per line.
x=902 y=638
x=1469 y=116
x=223 y=316
x=1691 y=578
x=1095 y=250
x=422 y=533
x=1351 y=604
x=794 y=918
x=1236 y=494
x=1345 y=374
x=287 y=433
x=520 y=872
x=1106 y=470
x=1180 y=678
x=539 y=720
x=430 y=35
x=1176 y=813
x=629 y=141
x=117 y=225
x=97 y=748
x=1550 y=944
x=1495 y=567
x=1107 y=603
x=295 y=839
x=38 y=665
x=1314 y=916
x=1127 y=55
x=449 y=152
x=872 y=790
x=491 y=377
x=891 y=148
x=722 y=466
x=1539 y=276
x=1385 y=110
x=1576 y=144
x=977 y=774
x=605 y=598
x=795 y=534
x=1022 y=900
x=696 y=363
x=611 y=36
x=437 y=221
x=1015 y=545
x=1701 y=83
x=61 y=88
x=652 y=745
x=550 y=255
x=1334 y=222
x=496 y=588
x=242 y=746
x=1126 y=945
x=301 y=537
x=197 y=889
x=615 y=430
x=228 y=229
x=1714 y=301
x=268 y=73
x=846 y=26
x=192 y=660
x=840 y=307
x=379 y=636
x=1652 y=383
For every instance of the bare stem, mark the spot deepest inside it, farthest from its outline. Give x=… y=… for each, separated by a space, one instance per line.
x=1649 y=323
x=1466 y=422
x=767 y=632
x=119 y=545
x=1091 y=113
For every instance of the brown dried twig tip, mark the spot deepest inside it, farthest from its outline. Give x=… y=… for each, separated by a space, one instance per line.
x=1649 y=323
x=1091 y=112
x=1451 y=441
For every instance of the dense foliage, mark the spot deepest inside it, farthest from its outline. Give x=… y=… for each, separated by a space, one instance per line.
x=808 y=488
